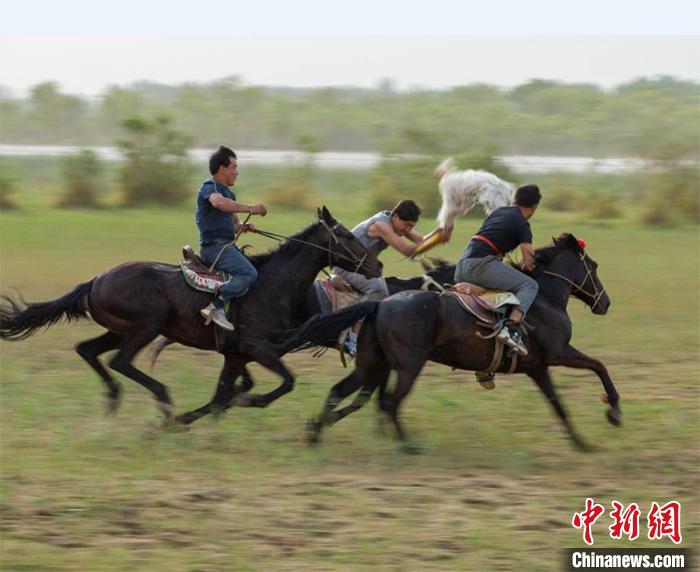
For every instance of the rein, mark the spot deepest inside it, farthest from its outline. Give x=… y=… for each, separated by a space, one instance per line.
x=596 y=295
x=359 y=262
x=429 y=281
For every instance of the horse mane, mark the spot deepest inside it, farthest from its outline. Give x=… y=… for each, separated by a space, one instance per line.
x=286 y=249
x=565 y=241
x=545 y=254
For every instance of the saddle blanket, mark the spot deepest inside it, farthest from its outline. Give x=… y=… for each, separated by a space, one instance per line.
x=204 y=282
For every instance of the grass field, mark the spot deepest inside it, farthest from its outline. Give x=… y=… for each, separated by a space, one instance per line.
x=495 y=488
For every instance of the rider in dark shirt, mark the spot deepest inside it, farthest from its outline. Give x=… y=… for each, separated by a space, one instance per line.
x=481 y=263
x=217 y=220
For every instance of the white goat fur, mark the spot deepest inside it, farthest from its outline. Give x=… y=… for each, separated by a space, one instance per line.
x=462 y=190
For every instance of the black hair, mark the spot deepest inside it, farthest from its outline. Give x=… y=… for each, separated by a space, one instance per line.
x=527 y=196
x=220 y=158
x=407 y=210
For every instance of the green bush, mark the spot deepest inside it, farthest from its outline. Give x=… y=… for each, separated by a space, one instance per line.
x=81 y=174
x=290 y=190
x=604 y=206
x=565 y=199
x=396 y=179
x=156 y=168
x=7 y=186
x=672 y=197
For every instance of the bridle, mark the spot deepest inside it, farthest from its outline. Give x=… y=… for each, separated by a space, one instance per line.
x=332 y=239
x=596 y=295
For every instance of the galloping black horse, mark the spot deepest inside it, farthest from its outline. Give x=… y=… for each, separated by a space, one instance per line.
x=138 y=301
x=406 y=330
x=433 y=279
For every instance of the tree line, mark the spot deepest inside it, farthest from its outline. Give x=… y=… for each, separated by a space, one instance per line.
x=653 y=118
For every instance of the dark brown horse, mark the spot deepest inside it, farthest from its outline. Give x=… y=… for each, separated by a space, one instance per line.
x=138 y=301
x=406 y=330
x=435 y=276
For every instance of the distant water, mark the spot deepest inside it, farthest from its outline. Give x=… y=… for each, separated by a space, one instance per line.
x=337 y=159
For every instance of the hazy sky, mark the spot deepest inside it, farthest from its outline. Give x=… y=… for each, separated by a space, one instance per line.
x=85 y=46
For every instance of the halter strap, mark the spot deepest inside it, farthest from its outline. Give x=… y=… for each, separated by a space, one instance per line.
x=596 y=296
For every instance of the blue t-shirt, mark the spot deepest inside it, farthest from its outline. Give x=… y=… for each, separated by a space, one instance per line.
x=213 y=223
x=506 y=227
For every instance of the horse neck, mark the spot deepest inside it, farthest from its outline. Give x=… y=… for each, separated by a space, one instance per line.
x=400 y=284
x=553 y=288
x=295 y=274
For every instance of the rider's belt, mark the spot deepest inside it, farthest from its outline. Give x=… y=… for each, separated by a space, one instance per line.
x=489 y=242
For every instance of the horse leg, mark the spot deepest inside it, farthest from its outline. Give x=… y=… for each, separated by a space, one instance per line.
x=543 y=380
x=571 y=357
x=392 y=401
x=89 y=350
x=122 y=363
x=248 y=382
x=269 y=360
x=225 y=391
x=350 y=383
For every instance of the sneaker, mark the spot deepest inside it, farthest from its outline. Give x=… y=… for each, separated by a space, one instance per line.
x=351 y=344
x=217 y=315
x=206 y=312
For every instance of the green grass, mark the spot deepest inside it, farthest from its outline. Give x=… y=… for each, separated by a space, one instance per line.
x=494 y=490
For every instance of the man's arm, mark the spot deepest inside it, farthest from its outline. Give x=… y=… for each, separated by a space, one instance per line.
x=528 y=256
x=414 y=237
x=220 y=202
x=387 y=233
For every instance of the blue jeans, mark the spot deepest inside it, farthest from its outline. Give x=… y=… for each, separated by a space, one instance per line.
x=243 y=273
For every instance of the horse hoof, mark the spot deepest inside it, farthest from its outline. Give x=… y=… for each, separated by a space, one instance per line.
x=312 y=432
x=411 y=449
x=112 y=404
x=185 y=419
x=217 y=411
x=243 y=400
x=585 y=447
x=173 y=425
x=614 y=417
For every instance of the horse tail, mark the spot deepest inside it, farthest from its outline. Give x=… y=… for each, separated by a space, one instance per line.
x=443 y=168
x=324 y=329
x=157 y=347
x=19 y=324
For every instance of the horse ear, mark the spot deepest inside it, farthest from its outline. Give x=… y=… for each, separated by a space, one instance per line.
x=327 y=216
x=318 y=213
x=576 y=244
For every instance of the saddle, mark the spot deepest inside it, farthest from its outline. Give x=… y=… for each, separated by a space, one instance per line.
x=196 y=273
x=334 y=293
x=490 y=308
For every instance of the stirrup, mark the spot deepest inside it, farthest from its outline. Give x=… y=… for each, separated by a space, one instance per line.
x=486 y=380
x=207 y=313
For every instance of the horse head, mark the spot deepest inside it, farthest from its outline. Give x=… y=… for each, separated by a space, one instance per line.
x=346 y=251
x=567 y=259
